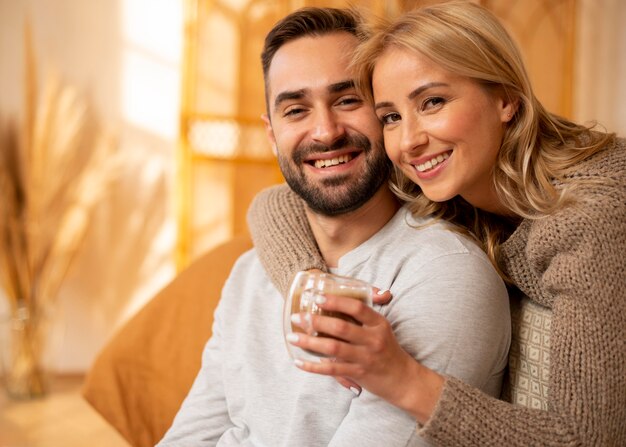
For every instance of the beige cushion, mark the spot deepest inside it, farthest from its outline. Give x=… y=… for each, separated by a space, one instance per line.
x=529 y=356
x=140 y=378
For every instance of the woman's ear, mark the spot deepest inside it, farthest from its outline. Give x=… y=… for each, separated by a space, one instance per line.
x=270 y=133
x=508 y=107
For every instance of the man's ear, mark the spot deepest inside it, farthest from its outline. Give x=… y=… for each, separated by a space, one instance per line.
x=270 y=133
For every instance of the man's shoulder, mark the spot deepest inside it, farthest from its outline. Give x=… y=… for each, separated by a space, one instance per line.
x=423 y=235
x=411 y=250
x=248 y=268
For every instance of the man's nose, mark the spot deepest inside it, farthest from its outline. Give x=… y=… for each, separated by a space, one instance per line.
x=327 y=128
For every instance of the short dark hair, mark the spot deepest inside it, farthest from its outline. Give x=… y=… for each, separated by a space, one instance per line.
x=308 y=21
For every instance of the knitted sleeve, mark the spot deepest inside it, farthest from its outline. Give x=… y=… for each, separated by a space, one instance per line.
x=574 y=263
x=282 y=235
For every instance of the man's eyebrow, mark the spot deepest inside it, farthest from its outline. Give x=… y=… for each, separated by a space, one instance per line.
x=287 y=95
x=341 y=86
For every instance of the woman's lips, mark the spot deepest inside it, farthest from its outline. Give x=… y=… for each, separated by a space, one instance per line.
x=432 y=162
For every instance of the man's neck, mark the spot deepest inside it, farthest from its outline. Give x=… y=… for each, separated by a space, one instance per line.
x=337 y=235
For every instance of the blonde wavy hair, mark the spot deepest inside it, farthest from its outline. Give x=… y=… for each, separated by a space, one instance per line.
x=538 y=147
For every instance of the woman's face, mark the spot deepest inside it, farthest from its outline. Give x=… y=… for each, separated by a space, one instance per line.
x=442 y=130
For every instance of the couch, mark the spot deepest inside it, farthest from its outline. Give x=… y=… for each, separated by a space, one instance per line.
x=142 y=375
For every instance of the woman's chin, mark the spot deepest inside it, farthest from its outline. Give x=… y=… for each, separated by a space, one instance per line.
x=437 y=195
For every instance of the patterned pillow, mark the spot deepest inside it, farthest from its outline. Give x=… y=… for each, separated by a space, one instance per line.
x=529 y=356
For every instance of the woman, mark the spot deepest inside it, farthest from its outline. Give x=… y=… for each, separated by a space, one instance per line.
x=544 y=196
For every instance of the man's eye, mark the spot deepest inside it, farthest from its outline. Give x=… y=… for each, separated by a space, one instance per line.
x=294 y=111
x=390 y=118
x=348 y=101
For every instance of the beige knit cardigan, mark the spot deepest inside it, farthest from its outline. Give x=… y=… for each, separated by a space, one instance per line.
x=572 y=262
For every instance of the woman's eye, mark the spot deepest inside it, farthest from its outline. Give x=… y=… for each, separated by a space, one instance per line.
x=390 y=118
x=433 y=102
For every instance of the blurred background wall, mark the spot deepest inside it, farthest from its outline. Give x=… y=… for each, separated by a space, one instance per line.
x=131 y=61
x=124 y=56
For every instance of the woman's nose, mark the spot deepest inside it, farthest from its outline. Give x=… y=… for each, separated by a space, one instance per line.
x=412 y=136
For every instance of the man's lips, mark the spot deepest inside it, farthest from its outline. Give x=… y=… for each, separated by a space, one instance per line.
x=330 y=159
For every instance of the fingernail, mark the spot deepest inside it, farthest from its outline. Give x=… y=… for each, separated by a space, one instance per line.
x=298 y=363
x=295 y=318
x=320 y=299
x=382 y=292
x=355 y=390
x=292 y=338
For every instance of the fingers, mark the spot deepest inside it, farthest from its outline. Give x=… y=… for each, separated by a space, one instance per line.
x=361 y=353
x=337 y=369
x=323 y=345
x=356 y=309
x=349 y=384
x=346 y=382
x=380 y=296
x=334 y=327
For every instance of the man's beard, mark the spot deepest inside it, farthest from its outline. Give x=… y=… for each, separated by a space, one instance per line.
x=338 y=194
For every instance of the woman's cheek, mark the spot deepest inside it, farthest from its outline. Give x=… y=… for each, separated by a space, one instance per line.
x=390 y=148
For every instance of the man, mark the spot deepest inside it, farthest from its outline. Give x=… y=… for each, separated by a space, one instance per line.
x=450 y=309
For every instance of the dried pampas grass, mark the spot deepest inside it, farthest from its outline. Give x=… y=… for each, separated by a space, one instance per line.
x=53 y=170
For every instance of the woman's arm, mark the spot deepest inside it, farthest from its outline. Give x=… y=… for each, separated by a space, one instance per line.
x=574 y=263
x=282 y=235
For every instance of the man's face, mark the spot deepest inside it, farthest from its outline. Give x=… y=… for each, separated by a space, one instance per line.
x=328 y=141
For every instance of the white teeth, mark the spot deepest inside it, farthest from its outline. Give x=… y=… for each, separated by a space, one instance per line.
x=432 y=163
x=333 y=161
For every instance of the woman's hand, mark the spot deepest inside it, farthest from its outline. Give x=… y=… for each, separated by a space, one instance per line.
x=380 y=296
x=368 y=356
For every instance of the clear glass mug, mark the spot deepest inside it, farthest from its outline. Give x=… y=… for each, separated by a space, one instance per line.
x=305 y=288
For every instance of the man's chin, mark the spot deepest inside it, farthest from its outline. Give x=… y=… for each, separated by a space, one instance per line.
x=333 y=204
x=336 y=195
x=334 y=211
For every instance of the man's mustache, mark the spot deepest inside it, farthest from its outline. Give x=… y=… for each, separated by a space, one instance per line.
x=356 y=141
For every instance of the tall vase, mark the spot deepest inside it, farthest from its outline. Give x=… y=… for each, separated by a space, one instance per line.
x=22 y=348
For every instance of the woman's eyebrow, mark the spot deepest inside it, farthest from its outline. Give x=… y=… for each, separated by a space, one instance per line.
x=414 y=94
x=382 y=105
x=424 y=87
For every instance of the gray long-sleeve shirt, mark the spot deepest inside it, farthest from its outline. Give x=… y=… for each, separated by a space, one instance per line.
x=449 y=310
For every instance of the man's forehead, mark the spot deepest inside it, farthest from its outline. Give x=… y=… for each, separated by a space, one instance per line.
x=311 y=63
